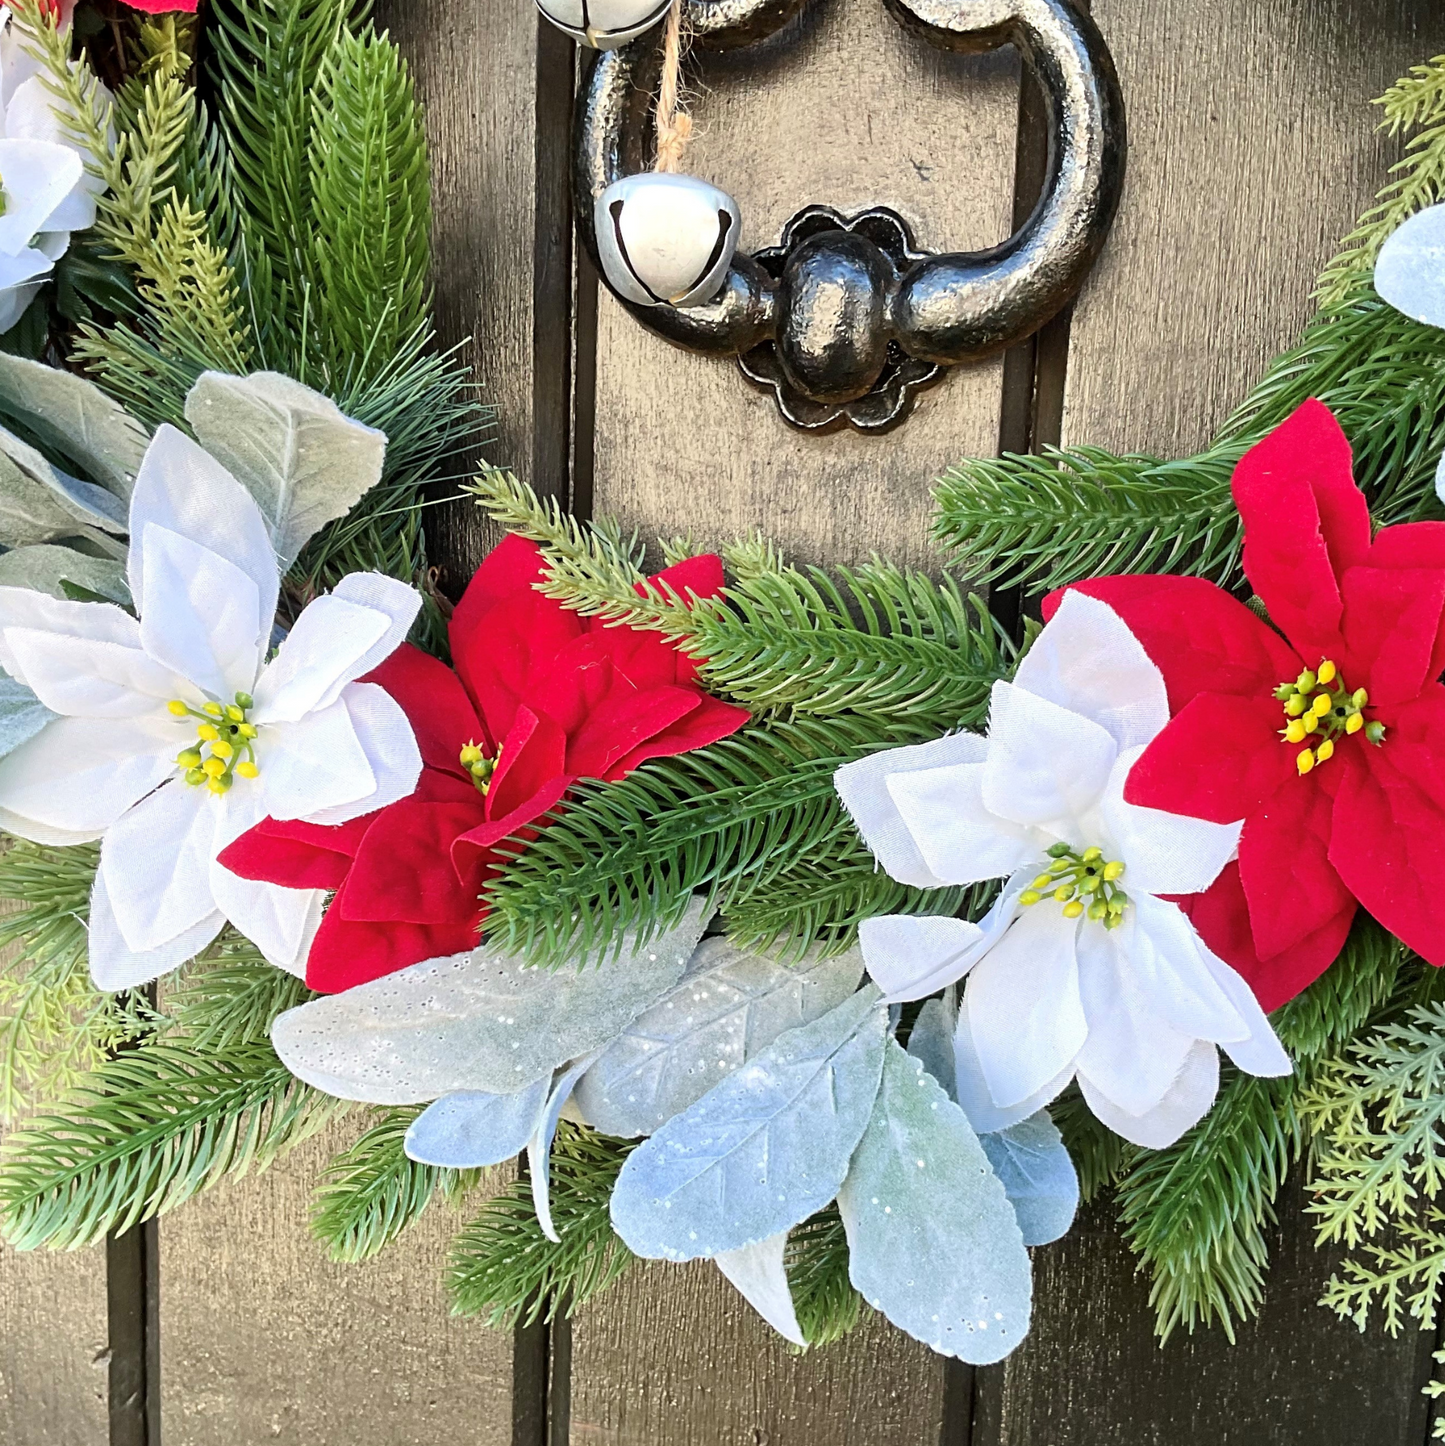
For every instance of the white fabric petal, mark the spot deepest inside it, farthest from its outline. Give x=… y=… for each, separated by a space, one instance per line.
x=386 y=737
x=41 y=833
x=1410 y=270
x=1087 y=660
x=314 y=765
x=200 y=614
x=960 y=839
x=16 y=298
x=1133 y=1054
x=280 y=922
x=911 y=958
x=324 y=652
x=974 y=1099
x=156 y=862
x=1023 y=1005
x=38 y=175
x=23 y=607
x=115 y=965
x=93 y=678
x=1261 y=1053
x=24 y=266
x=1187 y=1102
x=81 y=774
x=381 y=594
x=1166 y=853
x=863 y=787
x=182 y=488
x=1046 y=767
x=1166 y=961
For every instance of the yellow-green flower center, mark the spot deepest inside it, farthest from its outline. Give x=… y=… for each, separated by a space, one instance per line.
x=481 y=768
x=1084 y=883
x=225 y=746
x=1319 y=710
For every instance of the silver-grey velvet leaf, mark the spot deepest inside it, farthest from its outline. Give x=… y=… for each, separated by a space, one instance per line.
x=302 y=459
x=539 y=1147
x=77 y=419
x=46 y=566
x=478 y=1021
x=40 y=503
x=761 y=1278
x=932 y=1239
x=472 y=1129
x=1410 y=270
x=762 y=1150
x=730 y=1005
x=1038 y=1176
x=931 y=1044
x=22 y=714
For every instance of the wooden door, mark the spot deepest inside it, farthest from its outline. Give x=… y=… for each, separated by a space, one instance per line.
x=1251 y=152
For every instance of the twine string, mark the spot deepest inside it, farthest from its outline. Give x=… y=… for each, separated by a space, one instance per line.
x=674 y=124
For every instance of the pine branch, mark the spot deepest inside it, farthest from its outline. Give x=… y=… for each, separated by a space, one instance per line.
x=1100 y=1156
x=827 y=1305
x=503 y=1267
x=371 y=1192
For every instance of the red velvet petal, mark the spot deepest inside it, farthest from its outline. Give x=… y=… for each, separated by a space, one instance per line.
x=1389 y=820
x=512 y=566
x=1305 y=525
x=345 y=953
x=575 y=682
x=436 y=705
x=622 y=723
x=403 y=872
x=473 y=851
x=1414 y=544
x=1292 y=888
x=533 y=754
x=1392 y=630
x=1199 y=637
x=1218 y=759
x=646 y=660
x=296 y=855
x=708 y=722
x=701 y=576
x=1221 y=915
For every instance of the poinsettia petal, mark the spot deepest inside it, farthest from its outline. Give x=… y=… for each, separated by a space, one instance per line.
x=384 y=733
x=321 y=654
x=1045 y=766
x=974 y=1099
x=280 y=922
x=1415 y=545
x=1259 y=1052
x=473 y=850
x=1392 y=628
x=532 y=756
x=398 y=602
x=294 y=853
x=81 y=774
x=1088 y=661
x=1024 y=1006
x=114 y=965
x=94 y=678
x=436 y=705
x=312 y=765
x=1186 y=1103
x=183 y=489
x=711 y=721
x=1201 y=639
x=1306 y=524
x=910 y=958
x=1290 y=882
x=623 y=721
x=511 y=567
x=345 y=954
x=864 y=788
x=1217 y=760
x=961 y=840
x=156 y=861
x=403 y=870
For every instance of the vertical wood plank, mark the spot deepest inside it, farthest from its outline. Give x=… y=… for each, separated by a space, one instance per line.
x=264 y=1340
x=1251 y=152
x=843 y=109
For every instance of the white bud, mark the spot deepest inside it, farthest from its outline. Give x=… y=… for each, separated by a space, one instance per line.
x=604 y=24
x=666 y=240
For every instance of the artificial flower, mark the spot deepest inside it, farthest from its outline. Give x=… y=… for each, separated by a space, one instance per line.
x=174 y=734
x=47 y=192
x=1083 y=968
x=1328 y=741
x=540 y=698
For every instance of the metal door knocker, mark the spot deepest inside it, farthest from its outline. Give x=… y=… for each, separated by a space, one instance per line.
x=846 y=319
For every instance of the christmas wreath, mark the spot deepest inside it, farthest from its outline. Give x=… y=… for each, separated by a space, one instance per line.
x=808 y=922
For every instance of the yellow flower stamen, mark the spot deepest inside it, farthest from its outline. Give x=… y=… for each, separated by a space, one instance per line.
x=208 y=732
x=1318 y=707
x=214 y=709
x=213 y=767
x=1305 y=761
x=177 y=708
x=1083 y=882
x=1354 y=723
x=1327 y=673
x=247 y=770
x=1322 y=704
x=221 y=749
x=1325 y=751
x=1074 y=910
x=1295 y=733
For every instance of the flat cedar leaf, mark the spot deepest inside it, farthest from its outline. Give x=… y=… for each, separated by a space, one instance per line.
x=22 y=714
x=475 y=1128
x=730 y=1005
x=758 y=1273
x=46 y=567
x=304 y=462
x=1038 y=1175
x=77 y=419
x=932 y=1239
x=761 y=1151
x=477 y=1021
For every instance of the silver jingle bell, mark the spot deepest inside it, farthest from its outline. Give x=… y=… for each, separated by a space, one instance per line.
x=604 y=24
x=666 y=239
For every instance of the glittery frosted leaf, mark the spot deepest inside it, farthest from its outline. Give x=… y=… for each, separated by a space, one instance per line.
x=931 y=1043
x=729 y=1006
x=1038 y=1175
x=471 y=1128
x=477 y=1021
x=758 y=1273
x=762 y=1150
x=539 y=1147
x=932 y=1239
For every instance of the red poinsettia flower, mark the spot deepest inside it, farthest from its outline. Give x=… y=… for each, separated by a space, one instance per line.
x=1325 y=733
x=540 y=698
x=162 y=7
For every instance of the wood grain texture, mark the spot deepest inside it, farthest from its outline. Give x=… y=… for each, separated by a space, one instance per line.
x=674 y=1355
x=263 y=1339
x=842 y=109
x=53 y=1359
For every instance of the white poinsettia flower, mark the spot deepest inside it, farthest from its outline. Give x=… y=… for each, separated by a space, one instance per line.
x=47 y=192
x=1082 y=969
x=175 y=735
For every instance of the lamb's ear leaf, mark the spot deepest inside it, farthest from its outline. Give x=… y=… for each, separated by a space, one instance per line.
x=539 y=1147
x=762 y=1150
x=933 y=1242
x=471 y=1129
x=758 y=1273
x=22 y=714
x=304 y=461
x=1039 y=1176
x=75 y=419
x=47 y=567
